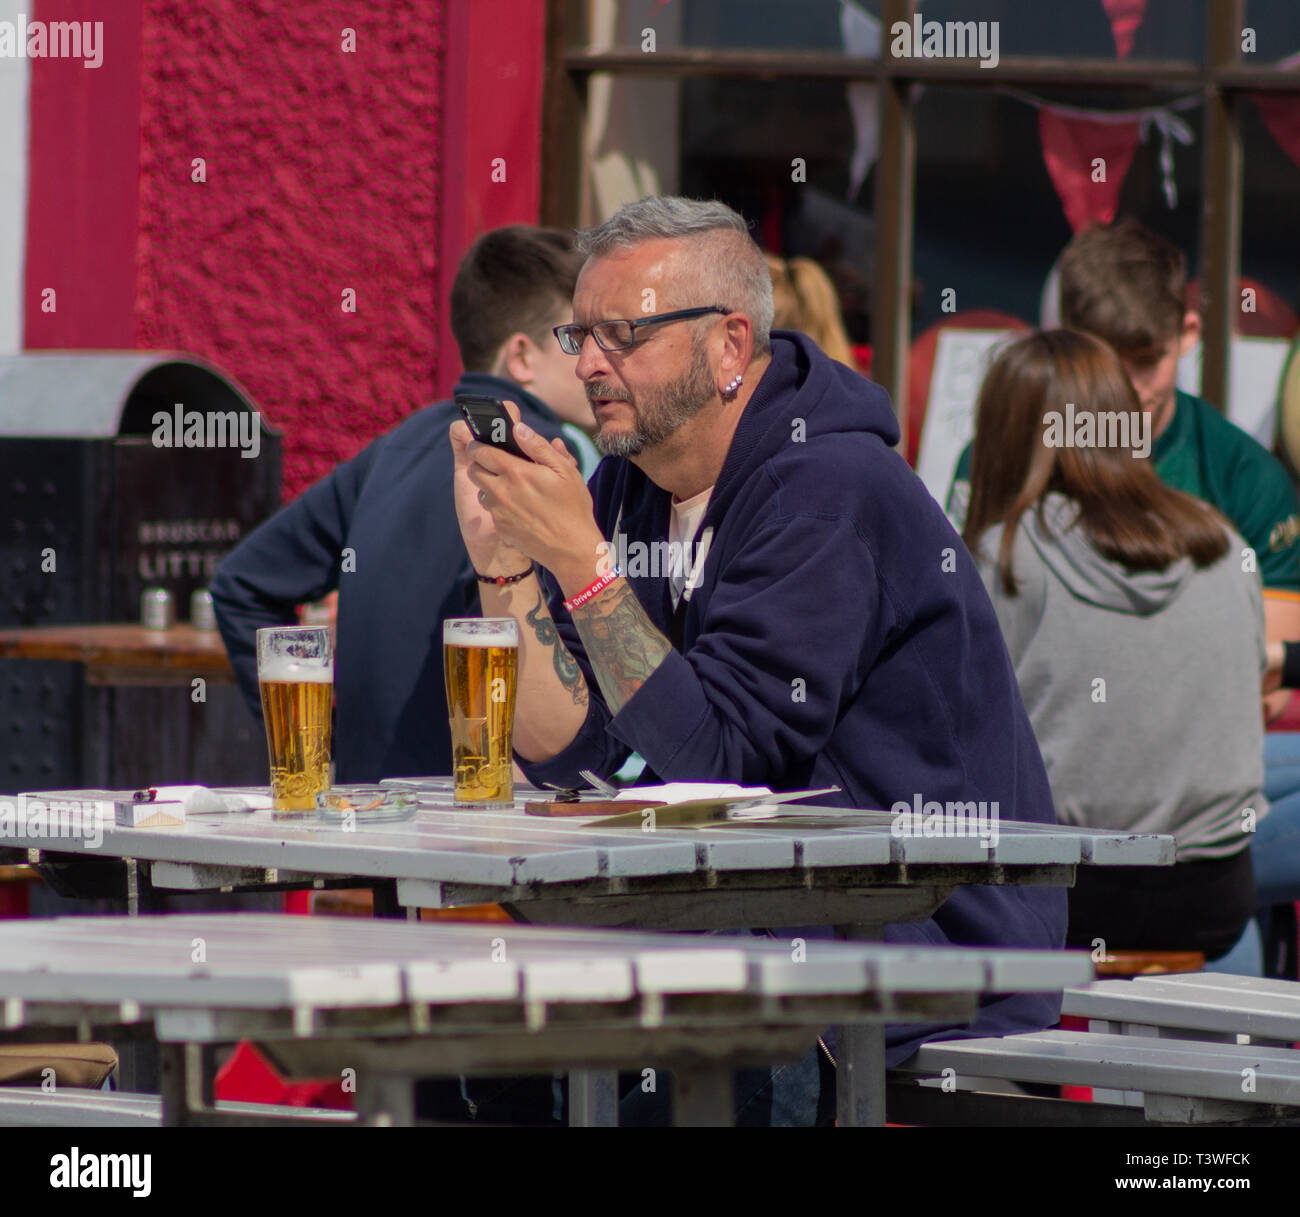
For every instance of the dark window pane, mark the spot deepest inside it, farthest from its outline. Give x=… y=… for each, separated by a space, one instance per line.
x=989 y=222
x=1169 y=29
x=1274 y=28
x=802 y=25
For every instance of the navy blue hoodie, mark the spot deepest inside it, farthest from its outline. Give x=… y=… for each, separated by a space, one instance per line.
x=393 y=505
x=838 y=634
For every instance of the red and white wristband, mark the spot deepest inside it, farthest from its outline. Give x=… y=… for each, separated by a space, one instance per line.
x=592 y=590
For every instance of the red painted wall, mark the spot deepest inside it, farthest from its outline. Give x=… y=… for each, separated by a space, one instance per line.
x=83 y=141
x=325 y=170
x=323 y=173
x=492 y=90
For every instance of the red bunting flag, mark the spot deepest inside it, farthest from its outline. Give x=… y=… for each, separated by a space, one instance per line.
x=1125 y=17
x=1087 y=160
x=1281 y=115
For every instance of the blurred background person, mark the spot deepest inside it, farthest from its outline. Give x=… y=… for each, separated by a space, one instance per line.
x=805 y=299
x=381 y=529
x=1117 y=594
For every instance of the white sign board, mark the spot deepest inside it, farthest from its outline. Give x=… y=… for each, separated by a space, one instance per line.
x=1253 y=383
x=960 y=361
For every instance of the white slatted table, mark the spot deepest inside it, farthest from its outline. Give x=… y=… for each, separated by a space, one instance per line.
x=396 y=1002
x=858 y=878
x=552 y=870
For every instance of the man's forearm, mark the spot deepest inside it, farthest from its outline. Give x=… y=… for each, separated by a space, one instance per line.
x=622 y=643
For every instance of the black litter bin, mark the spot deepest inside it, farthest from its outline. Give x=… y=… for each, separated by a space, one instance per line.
x=121 y=471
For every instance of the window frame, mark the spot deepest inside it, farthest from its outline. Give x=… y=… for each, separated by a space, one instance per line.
x=1221 y=76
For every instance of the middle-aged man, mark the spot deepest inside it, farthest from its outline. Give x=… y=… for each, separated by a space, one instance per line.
x=828 y=627
x=381 y=527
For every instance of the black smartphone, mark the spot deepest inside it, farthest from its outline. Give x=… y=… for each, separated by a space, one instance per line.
x=489 y=423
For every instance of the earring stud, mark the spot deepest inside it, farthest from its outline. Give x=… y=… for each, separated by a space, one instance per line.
x=733 y=387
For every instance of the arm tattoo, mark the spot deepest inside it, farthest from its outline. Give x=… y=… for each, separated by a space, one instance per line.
x=622 y=643
x=566 y=667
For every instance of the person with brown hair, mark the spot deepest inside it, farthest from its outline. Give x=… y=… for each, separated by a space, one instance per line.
x=1128 y=286
x=1120 y=597
x=804 y=299
x=380 y=529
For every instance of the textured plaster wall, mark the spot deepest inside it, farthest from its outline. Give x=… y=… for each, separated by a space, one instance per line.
x=322 y=174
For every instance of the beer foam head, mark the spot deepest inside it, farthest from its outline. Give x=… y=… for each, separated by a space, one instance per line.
x=285 y=669
x=480 y=632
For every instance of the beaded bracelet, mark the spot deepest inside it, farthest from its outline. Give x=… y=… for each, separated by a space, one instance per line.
x=502 y=580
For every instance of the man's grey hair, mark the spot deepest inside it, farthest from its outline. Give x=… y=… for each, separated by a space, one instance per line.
x=726 y=266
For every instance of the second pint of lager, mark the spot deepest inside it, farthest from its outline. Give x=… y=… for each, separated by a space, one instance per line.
x=295 y=670
x=481 y=663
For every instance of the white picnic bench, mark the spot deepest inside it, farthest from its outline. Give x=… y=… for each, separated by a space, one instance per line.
x=1193 y=1048
x=847 y=871
x=396 y=1001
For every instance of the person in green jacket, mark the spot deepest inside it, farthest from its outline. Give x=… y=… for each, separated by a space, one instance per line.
x=1127 y=285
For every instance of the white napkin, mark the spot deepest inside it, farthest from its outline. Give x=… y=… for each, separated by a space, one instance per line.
x=200 y=800
x=685 y=792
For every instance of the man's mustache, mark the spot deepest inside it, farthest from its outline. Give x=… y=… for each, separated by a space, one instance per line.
x=608 y=392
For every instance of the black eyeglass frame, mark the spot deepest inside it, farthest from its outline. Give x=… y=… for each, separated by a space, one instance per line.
x=569 y=332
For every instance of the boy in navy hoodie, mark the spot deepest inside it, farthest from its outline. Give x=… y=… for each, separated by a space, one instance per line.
x=827 y=626
x=381 y=528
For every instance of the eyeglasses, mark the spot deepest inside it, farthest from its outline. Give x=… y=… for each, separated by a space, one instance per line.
x=621 y=335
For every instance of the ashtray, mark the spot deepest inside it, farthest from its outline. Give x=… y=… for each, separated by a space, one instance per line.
x=365 y=804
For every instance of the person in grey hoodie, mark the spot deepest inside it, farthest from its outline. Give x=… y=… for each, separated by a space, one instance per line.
x=1124 y=604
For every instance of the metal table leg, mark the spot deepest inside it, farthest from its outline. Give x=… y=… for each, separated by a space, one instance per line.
x=593 y=1098
x=187 y=1082
x=141 y=895
x=386 y=1100
x=860 y=1057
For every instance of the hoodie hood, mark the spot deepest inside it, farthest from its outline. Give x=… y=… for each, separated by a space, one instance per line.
x=803 y=393
x=1087 y=575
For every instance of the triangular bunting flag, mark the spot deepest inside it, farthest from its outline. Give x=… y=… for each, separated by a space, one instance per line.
x=1281 y=115
x=1125 y=17
x=1087 y=161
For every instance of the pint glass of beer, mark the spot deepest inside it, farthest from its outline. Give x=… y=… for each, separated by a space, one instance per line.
x=295 y=670
x=481 y=662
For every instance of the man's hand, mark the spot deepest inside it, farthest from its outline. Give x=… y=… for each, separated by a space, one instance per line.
x=488 y=553
x=514 y=510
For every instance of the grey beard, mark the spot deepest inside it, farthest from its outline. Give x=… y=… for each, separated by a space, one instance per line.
x=664 y=410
